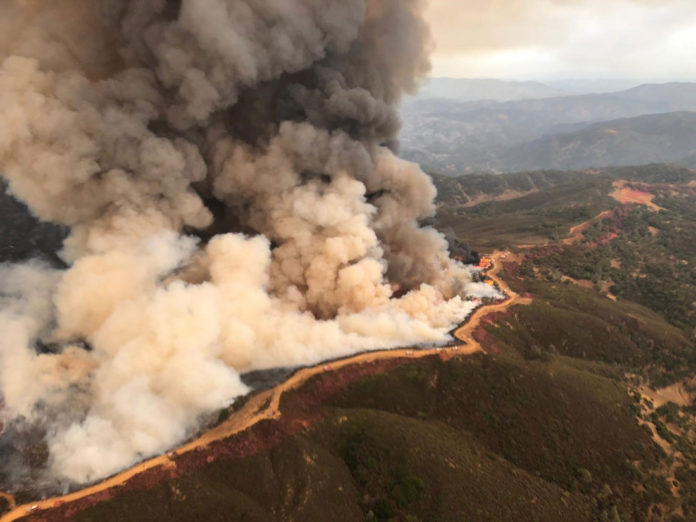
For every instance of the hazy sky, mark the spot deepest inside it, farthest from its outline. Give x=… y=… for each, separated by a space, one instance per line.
x=555 y=39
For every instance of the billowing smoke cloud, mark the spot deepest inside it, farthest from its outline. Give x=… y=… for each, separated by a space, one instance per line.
x=227 y=171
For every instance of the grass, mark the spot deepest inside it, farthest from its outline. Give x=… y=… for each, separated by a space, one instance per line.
x=297 y=480
x=578 y=322
x=532 y=219
x=645 y=259
x=655 y=269
x=561 y=200
x=430 y=471
x=482 y=438
x=553 y=420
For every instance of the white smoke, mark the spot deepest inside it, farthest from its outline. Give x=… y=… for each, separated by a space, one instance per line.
x=482 y=291
x=227 y=172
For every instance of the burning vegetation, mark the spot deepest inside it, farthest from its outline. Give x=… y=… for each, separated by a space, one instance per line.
x=228 y=175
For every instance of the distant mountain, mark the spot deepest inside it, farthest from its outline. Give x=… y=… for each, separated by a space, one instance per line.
x=489 y=89
x=459 y=137
x=689 y=161
x=646 y=139
x=476 y=89
x=591 y=85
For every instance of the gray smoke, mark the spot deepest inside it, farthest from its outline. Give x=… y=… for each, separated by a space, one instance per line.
x=227 y=170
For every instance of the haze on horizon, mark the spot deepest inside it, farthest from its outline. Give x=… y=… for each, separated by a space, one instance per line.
x=641 y=40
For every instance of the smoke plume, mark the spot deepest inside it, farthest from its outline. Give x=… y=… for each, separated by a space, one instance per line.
x=227 y=171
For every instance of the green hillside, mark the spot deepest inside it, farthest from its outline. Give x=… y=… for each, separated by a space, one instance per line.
x=490 y=437
x=619 y=295
x=554 y=422
x=546 y=205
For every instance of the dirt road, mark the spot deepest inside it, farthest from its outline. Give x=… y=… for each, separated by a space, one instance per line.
x=265 y=405
x=577 y=232
x=465 y=333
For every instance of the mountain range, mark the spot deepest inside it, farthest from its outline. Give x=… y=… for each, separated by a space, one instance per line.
x=454 y=137
x=653 y=138
x=475 y=89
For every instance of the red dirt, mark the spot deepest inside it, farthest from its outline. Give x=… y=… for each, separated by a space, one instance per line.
x=638 y=193
x=628 y=193
x=483 y=337
x=481 y=334
x=510 y=270
x=639 y=197
x=606 y=239
x=612 y=220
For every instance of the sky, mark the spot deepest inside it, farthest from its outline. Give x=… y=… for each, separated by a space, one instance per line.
x=649 y=40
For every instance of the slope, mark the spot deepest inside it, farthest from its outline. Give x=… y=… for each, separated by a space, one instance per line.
x=460 y=137
x=633 y=141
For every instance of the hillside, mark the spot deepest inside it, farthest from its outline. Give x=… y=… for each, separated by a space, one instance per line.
x=689 y=161
x=535 y=207
x=634 y=231
x=452 y=137
x=491 y=437
x=592 y=85
x=613 y=280
x=569 y=414
x=475 y=89
x=655 y=138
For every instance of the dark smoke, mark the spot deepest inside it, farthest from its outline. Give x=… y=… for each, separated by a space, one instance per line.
x=227 y=171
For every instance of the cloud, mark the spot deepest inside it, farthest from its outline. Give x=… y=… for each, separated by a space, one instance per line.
x=564 y=37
